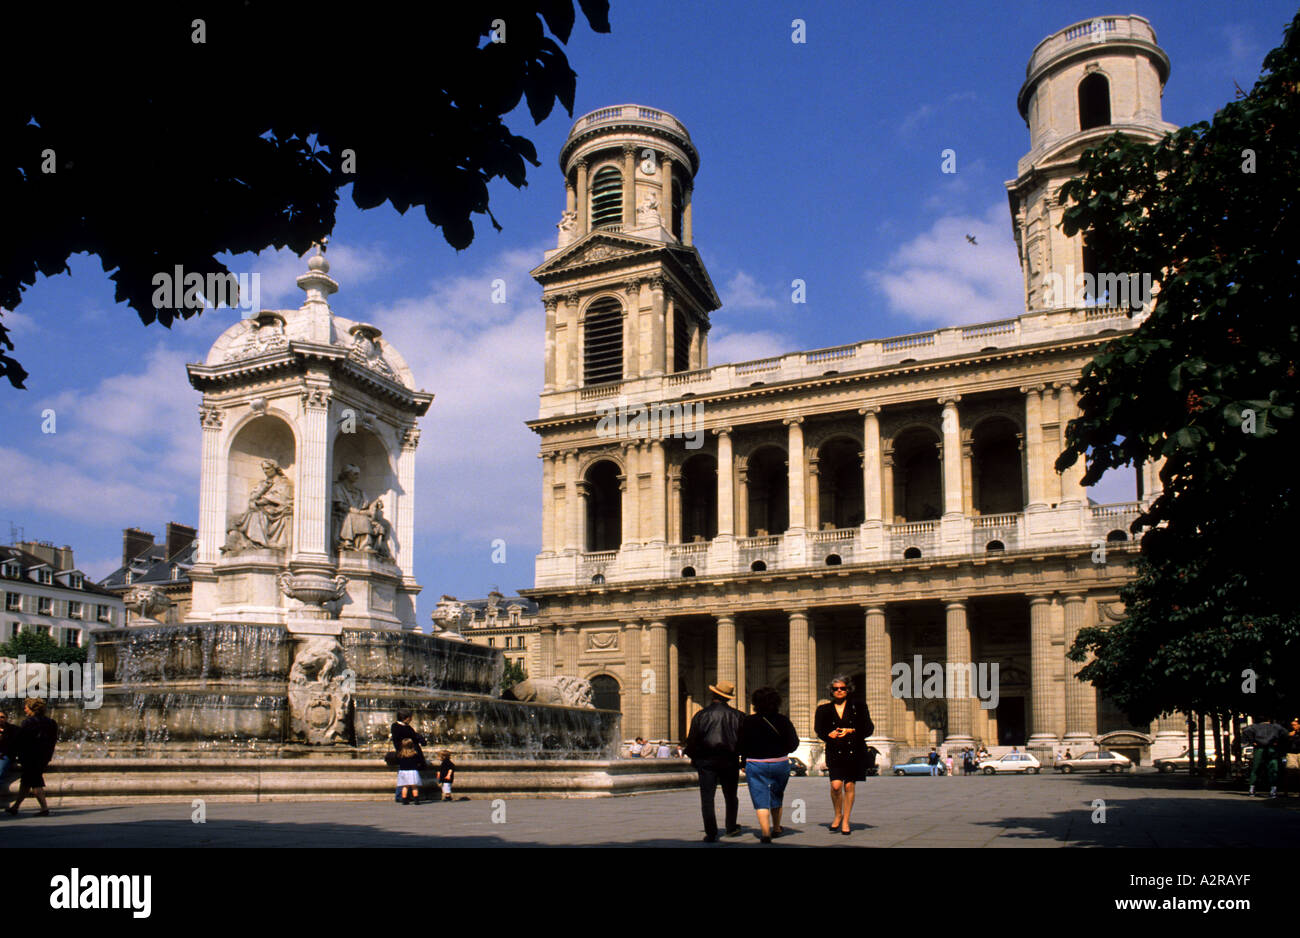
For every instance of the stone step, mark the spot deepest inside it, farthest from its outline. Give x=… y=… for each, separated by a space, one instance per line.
x=117 y=781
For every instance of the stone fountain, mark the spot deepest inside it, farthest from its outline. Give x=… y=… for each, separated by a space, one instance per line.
x=301 y=641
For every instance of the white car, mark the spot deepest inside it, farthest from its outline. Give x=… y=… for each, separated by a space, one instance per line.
x=1021 y=762
x=1097 y=761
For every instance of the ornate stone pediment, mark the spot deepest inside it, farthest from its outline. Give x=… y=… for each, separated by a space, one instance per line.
x=596 y=247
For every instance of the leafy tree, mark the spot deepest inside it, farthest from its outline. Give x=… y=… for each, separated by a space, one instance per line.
x=513 y=674
x=1207 y=383
x=39 y=648
x=165 y=136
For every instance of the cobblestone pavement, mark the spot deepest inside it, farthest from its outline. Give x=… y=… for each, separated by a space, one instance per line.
x=1035 y=811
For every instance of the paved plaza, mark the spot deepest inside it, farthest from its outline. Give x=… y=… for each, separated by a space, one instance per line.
x=1147 y=810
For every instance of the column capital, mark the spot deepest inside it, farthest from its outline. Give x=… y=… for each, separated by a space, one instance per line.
x=631 y=624
x=1039 y=599
x=721 y=431
x=869 y=410
x=726 y=617
x=629 y=149
x=316 y=398
x=410 y=437
x=657 y=282
x=1030 y=388
x=1075 y=598
x=1071 y=384
x=955 y=604
x=572 y=298
x=655 y=625
x=952 y=399
x=656 y=443
x=792 y=421
x=211 y=418
x=869 y=608
x=549 y=303
x=568 y=628
x=633 y=286
x=667 y=158
x=583 y=162
x=800 y=612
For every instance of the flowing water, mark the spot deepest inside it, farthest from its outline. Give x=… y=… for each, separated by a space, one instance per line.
x=221 y=690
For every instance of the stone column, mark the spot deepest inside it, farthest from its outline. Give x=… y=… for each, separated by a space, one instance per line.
x=311 y=501
x=406 y=501
x=887 y=485
x=675 y=728
x=726 y=495
x=548 y=502
x=871 y=480
x=569 y=649
x=575 y=499
x=796 y=475
x=629 y=185
x=726 y=648
x=686 y=220
x=742 y=665
x=661 y=684
x=567 y=359
x=742 y=501
x=1080 y=698
x=633 y=724
x=570 y=197
x=1034 y=447
x=550 y=303
x=674 y=510
x=959 y=661
x=658 y=532
x=666 y=197
x=584 y=200
x=813 y=496
x=546 y=650
x=658 y=328
x=952 y=502
x=800 y=702
x=212 y=523
x=1073 y=491
x=1042 y=671
x=630 y=485
x=878 y=664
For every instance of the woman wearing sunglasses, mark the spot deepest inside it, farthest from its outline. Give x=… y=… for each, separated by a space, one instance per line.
x=844 y=725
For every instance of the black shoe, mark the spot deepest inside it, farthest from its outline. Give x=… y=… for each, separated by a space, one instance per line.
x=710 y=838
x=44 y=812
x=733 y=832
x=12 y=809
x=765 y=840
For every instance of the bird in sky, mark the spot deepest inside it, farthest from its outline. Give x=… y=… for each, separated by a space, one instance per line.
x=971 y=239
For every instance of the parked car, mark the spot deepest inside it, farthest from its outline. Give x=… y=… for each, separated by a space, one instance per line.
x=797 y=767
x=1097 y=761
x=917 y=765
x=1183 y=761
x=1021 y=762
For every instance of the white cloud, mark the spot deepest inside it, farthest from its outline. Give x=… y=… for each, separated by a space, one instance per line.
x=939 y=277
x=746 y=346
x=745 y=292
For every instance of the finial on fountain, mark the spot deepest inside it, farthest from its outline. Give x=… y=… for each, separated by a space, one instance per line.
x=316 y=283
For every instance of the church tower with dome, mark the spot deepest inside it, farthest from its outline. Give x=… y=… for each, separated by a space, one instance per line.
x=307 y=514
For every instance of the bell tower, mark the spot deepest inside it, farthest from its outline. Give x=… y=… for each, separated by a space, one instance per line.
x=625 y=290
x=1083 y=83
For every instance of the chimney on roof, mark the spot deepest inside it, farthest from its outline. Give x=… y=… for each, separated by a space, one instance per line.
x=179 y=537
x=42 y=549
x=134 y=543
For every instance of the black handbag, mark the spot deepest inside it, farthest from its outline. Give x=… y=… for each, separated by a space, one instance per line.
x=392 y=758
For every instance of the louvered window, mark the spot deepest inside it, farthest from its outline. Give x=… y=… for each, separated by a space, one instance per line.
x=607 y=198
x=681 y=342
x=603 y=343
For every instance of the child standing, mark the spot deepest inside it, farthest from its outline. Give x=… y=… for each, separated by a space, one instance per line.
x=446 y=774
x=408 y=771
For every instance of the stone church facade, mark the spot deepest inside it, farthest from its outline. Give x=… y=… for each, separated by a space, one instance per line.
x=842 y=510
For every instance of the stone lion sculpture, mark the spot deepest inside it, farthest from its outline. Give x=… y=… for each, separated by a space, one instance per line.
x=147 y=602
x=562 y=689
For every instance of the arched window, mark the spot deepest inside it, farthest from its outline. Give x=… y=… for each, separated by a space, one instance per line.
x=605 y=692
x=996 y=470
x=912 y=553
x=602 y=342
x=769 y=499
x=699 y=498
x=1094 y=101
x=918 y=480
x=604 y=507
x=607 y=198
x=839 y=484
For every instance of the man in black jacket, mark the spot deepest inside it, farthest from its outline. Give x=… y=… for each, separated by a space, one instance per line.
x=37 y=738
x=711 y=746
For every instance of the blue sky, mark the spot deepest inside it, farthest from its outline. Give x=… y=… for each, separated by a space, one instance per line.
x=818 y=161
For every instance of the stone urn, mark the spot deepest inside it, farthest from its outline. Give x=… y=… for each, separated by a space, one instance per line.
x=315 y=591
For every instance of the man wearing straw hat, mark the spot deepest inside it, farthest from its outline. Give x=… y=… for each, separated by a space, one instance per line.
x=711 y=746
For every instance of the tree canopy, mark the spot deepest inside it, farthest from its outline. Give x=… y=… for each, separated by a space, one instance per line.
x=1208 y=384
x=164 y=136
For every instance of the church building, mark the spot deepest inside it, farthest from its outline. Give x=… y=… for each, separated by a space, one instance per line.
x=886 y=509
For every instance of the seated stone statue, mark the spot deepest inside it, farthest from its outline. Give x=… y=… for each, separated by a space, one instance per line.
x=359 y=524
x=269 y=518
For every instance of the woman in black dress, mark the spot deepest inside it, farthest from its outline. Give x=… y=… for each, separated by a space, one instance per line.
x=844 y=725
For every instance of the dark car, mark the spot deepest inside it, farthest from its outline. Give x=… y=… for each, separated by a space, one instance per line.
x=797 y=768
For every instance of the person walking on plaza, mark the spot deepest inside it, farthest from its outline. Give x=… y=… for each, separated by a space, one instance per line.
x=967 y=761
x=37 y=738
x=711 y=746
x=843 y=725
x=947 y=760
x=935 y=764
x=1268 y=738
x=766 y=740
